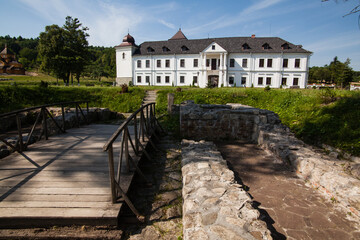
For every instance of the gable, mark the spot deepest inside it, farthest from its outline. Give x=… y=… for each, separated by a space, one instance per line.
x=214 y=48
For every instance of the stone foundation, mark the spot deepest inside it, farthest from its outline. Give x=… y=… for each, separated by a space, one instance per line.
x=337 y=180
x=215 y=206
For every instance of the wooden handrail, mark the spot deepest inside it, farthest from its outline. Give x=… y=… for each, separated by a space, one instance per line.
x=37 y=107
x=43 y=114
x=130 y=153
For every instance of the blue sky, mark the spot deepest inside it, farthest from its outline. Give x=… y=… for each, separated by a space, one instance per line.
x=319 y=26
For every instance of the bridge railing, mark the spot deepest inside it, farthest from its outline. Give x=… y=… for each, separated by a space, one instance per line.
x=41 y=116
x=143 y=125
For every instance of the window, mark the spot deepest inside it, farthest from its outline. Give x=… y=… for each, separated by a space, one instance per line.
x=269 y=63
x=196 y=62
x=139 y=79
x=182 y=62
x=182 y=79
x=208 y=62
x=184 y=48
x=194 y=79
x=232 y=62
x=244 y=63
x=268 y=81
x=139 y=63
x=123 y=55
x=295 y=81
x=266 y=46
x=213 y=47
x=245 y=46
x=285 y=46
x=297 y=63
x=158 y=79
x=158 y=63
x=167 y=63
x=261 y=62
x=147 y=79
x=243 y=80
x=231 y=80
x=260 y=80
x=167 y=79
x=150 y=49
x=147 y=63
x=283 y=81
x=285 y=63
x=165 y=49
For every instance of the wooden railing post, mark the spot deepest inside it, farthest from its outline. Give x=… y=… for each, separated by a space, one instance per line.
x=136 y=136
x=44 y=123
x=112 y=174
x=63 y=116
x=18 y=123
x=77 y=115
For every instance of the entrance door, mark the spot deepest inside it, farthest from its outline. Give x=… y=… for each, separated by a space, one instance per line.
x=213 y=64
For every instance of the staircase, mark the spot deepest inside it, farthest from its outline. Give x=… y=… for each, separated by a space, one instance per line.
x=150 y=97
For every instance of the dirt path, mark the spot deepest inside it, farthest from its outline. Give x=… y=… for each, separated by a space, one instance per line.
x=291 y=209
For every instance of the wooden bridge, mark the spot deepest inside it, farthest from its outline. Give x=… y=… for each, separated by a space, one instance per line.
x=70 y=179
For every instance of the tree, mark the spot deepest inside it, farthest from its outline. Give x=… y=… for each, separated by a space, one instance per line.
x=353 y=11
x=63 y=51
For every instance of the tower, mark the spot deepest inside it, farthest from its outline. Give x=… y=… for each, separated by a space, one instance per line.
x=124 y=65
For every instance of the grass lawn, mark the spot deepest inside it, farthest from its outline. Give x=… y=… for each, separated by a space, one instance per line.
x=316 y=116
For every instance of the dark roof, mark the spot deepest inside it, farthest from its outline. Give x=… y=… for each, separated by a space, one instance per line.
x=179 y=35
x=230 y=44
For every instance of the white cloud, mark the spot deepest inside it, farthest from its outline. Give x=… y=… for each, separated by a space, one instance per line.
x=342 y=41
x=167 y=24
x=51 y=10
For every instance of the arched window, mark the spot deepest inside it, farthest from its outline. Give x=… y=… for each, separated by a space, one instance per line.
x=266 y=46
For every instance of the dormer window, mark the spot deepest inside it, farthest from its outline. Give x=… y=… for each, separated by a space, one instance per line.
x=184 y=48
x=266 y=46
x=213 y=47
x=150 y=49
x=245 y=46
x=285 y=46
x=165 y=49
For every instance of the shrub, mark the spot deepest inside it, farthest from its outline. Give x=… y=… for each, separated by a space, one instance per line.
x=124 y=88
x=267 y=88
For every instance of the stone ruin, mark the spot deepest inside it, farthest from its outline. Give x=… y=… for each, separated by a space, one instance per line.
x=336 y=179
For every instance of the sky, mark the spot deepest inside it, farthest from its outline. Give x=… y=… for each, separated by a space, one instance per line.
x=319 y=26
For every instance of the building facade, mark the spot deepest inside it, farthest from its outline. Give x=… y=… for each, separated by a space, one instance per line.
x=220 y=62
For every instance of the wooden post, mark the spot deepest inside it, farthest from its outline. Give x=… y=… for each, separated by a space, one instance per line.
x=44 y=123
x=126 y=139
x=77 y=115
x=63 y=117
x=112 y=175
x=136 y=136
x=170 y=99
x=18 y=122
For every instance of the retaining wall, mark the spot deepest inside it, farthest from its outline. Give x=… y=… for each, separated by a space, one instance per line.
x=337 y=180
x=215 y=206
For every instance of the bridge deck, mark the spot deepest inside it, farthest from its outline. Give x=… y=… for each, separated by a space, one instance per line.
x=64 y=180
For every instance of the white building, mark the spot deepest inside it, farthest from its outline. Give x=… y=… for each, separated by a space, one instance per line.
x=232 y=61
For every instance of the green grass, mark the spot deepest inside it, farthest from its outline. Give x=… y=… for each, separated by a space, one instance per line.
x=27 y=80
x=316 y=116
x=18 y=97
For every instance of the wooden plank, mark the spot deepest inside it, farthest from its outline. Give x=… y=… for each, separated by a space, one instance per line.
x=46 y=204
x=60 y=212
x=55 y=191
x=62 y=197
x=58 y=184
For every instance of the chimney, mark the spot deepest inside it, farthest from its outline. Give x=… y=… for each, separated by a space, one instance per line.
x=253 y=36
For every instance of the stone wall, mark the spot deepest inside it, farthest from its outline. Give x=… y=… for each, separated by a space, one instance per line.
x=338 y=180
x=215 y=206
x=216 y=122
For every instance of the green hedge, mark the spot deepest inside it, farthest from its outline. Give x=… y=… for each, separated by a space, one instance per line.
x=18 y=97
x=316 y=116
